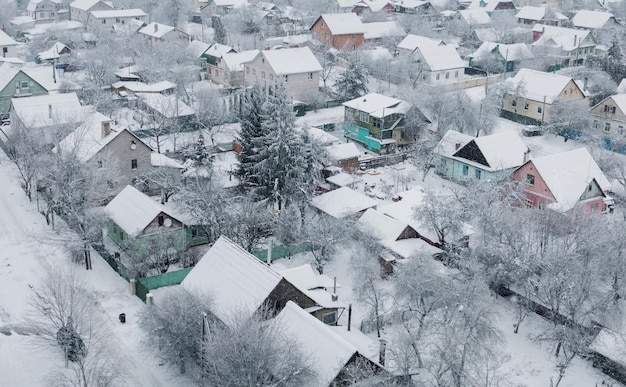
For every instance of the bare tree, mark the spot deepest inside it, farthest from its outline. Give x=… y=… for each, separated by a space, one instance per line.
x=444 y=215
x=324 y=235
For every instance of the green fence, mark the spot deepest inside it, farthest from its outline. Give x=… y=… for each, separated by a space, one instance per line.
x=114 y=263
x=144 y=285
x=283 y=251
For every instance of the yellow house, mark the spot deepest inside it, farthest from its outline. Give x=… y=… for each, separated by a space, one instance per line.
x=609 y=119
x=530 y=95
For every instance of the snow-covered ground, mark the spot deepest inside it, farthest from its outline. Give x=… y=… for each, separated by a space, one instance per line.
x=27 y=254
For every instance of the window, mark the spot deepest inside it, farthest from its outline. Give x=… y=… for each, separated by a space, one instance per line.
x=465 y=170
x=104 y=21
x=477 y=173
x=596 y=124
x=353 y=36
x=310 y=76
x=437 y=76
x=253 y=71
x=529 y=203
x=271 y=77
x=247 y=70
x=286 y=78
x=530 y=179
x=133 y=164
x=329 y=318
x=456 y=74
x=607 y=127
x=323 y=25
x=364 y=117
x=525 y=105
x=161 y=220
x=262 y=74
x=620 y=129
x=24 y=85
x=5 y=50
x=354 y=47
x=100 y=165
x=539 y=109
x=447 y=75
x=513 y=103
x=541 y=205
x=117 y=19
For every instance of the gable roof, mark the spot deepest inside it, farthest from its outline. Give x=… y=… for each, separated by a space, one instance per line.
x=381 y=226
x=490 y=5
x=508 y=52
x=6 y=40
x=235 y=60
x=111 y=13
x=343 y=151
x=158 y=30
x=378 y=105
x=329 y=353
x=591 y=19
x=85 y=5
x=343 y=23
x=234 y=278
x=566 y=38
x=535 y=85
x=306 y=278
x=8 y=71
x=373 y=5
x=451 y=142
x=496 y=152
x=53 y=52
x=618 y=99
x=475 y=17
x=568 y=174
x=441 y=57
x=47 y=110
x=343 y=202
x=197 y=48
x=292 y=60
x=538 y=13
x=133 y=211
x=377 y=30
x=218 y=49
x=411 y=42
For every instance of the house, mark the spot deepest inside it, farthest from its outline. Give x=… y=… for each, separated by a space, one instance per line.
x=439 y=65
x=345 y=155
x=411 y=42
x=230 y=68
x=296 y=67
x=213 y=56
x=609 y=120
x=80 y=9
x=220 y=7
x=343 y=202
x=51 y=117
x=157 y=32
x=377 y=31
x=474 y=18
x=330 y=354
x=8 y=46
x=343 y=31
x=566 y=46
x=373 y=6
x=379 y=122
x=462 y=157
x=494 y=7
x=46 y=10
x=54 y=53
x=128 y=89
x=420 y=8
x=136 y=217
x=16 y=83
x=564 y=182
x=114 y=18
x=500 y=57
x=594 y=20
x=197 y=50
x=237 y=281
x=166 y=109
x=531 y=94
x=345 y=6
x=531 y=15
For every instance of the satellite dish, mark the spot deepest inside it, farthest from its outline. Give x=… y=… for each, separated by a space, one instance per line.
x=167 y=222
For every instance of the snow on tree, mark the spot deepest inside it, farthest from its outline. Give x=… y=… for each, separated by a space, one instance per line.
x=352 y=82
x=251 y=136
x=220 y=31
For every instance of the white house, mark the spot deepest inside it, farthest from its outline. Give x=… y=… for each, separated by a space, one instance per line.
x=80 y=9
x=411 y=42
x=157 y=32
x=568 y=46
x=46 y=10
x=114 y=18
x=8 y=46
x=440 y=65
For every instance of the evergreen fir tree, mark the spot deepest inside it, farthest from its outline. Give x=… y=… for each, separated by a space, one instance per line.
x=353 y=81
x=201 y=155
x=251 y=135
x=220 y=30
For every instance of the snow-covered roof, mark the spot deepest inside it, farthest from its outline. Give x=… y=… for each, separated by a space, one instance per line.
x=84 y=5
x=47 y=110
x=535 y=85
x=404 y=211
x=343 y=202
x=566 y=38
x=378 y=105
x=292 y=60
x=218 y=49
x=381 y=226
x=378 y=30
x=503 y=150
x=6 y=40
x=343 y=179
x=235 y=60
x=323 y=137
x=133 y=211
x=169 y=106
x=234 y=278
x=611 y=345
x=230 y=3
x=128 y=72
x=347 y=3
x=87 y=140
x=510 y=52
x=156 y=30
x=326 y=351
x=475 y=17
x=372 y=5
x=161 y=160
x=411 y=42
x=441 y=57
x=140 y=87
x=197 y=47
x=451 y=142
x=113 y=13
x=487 y=5
x=53 y=52
x=378 y=53
x=619 y=99
x=568 y=174
x=8 y=71
x=537 y=13
x=343 y=23
x=621 y=88
x=591 y=19
x=410 y=4
x=343 y=151
x=45 y=78
x=305 y=277
x=297 y=39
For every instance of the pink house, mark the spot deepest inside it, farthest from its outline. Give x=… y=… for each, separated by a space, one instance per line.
x=564 y=182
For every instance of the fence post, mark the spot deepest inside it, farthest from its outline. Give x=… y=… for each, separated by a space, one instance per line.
x=149 y=299
x=133 y=286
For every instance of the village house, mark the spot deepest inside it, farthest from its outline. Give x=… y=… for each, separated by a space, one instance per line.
x=565 y=182
x=197 y=50
x=46 y=10
x=373 y=7
x=16 y=83
x=420 y=8
x=166 y=109
x=531 y=93
x=230 y=68
x=594 y=20
x=54 y=54
x=127 y=90
x=80 y=9
x=237 y=280
x=462 y=157
x=563 y=46
x=296 y=67
x=213 y=57
x=380 y=122
x=157 y=32
x=494 y=7
x=530 y=15
x=343 y=31
x=378 y=31
x=472 y=19
x=609 y=120
x=501 y=57
x=344 y=155
x=220 y=7
x=114 y=18
x=439 y=65
x=138 y=220
x=411 y=42
x=8 y=46
x=343 y=203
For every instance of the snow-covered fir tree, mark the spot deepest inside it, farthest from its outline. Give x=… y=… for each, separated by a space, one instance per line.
x=251 y=135
x=353 y=81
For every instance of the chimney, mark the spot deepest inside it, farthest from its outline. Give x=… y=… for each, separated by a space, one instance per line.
x=156 y=27
x=106 y=128
x=334 y=297
x=381 y=352
x=585 y=81
x=527 y=154
x=457 y=146
x=49 y=111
